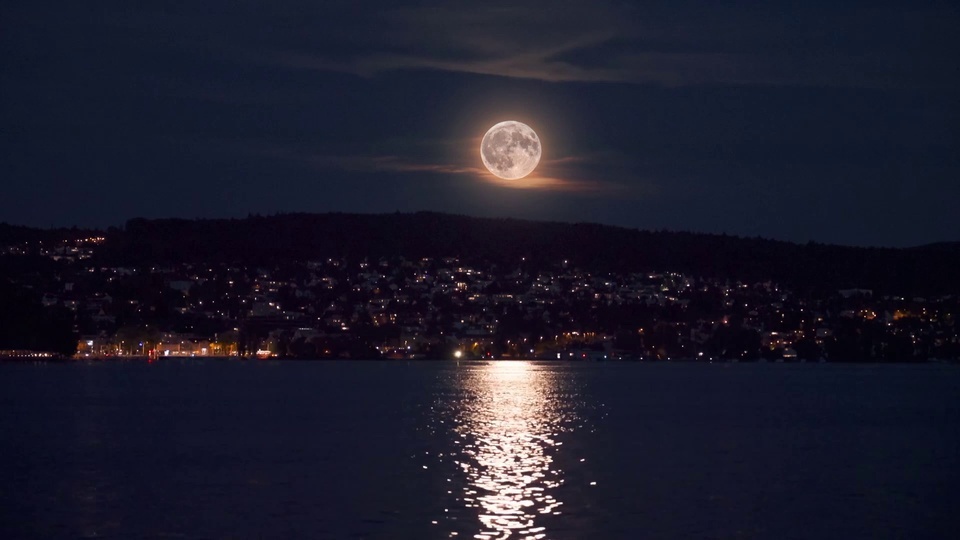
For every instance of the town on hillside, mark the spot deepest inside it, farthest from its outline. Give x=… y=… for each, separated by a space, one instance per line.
x=445 y=308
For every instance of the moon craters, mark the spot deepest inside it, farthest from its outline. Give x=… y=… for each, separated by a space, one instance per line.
x=510 y=150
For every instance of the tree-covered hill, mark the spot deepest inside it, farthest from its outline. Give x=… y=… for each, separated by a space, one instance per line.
x=273 y=239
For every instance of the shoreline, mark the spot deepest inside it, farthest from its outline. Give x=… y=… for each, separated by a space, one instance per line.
x=53 y=359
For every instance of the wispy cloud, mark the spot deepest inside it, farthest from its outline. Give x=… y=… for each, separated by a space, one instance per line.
x=670 y=44
x=546 y=183
x=395 y=164
x=565 y=174
x=605 y=41
x=548 y=178
x=490 y=38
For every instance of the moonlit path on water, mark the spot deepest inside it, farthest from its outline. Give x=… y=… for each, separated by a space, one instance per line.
x=506 y=419
x=478 y=450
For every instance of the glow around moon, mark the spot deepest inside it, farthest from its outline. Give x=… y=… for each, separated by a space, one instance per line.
x=510 y=150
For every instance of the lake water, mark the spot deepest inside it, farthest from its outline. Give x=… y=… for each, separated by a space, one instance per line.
x=227 y=449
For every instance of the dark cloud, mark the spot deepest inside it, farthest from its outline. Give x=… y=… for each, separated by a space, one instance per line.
x=856 y=45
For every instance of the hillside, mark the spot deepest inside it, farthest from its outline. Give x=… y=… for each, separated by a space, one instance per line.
x=266 y=240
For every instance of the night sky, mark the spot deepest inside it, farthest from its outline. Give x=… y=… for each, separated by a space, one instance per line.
x=827 y=121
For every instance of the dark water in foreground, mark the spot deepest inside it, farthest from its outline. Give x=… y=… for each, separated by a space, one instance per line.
x=503 y=450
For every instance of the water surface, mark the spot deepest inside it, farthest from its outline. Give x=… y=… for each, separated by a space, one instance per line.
x=213 y=449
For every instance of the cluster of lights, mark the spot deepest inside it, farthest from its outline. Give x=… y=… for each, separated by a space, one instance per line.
x=25 y=354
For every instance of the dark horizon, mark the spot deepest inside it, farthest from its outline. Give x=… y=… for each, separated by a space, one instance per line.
x=288 y=238
x=949 y=242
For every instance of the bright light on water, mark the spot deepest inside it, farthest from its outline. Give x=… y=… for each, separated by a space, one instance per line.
x=505 y=434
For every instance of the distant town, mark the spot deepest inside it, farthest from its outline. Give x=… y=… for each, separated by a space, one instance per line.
x=446 y=308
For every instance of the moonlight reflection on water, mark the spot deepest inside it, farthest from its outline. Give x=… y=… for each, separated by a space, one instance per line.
x=506 y=423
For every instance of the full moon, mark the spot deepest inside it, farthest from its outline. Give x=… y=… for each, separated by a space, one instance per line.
x=510 y=150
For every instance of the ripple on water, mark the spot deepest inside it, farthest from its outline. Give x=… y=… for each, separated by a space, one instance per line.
x=505 y=421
